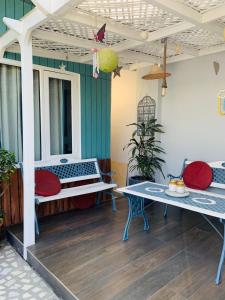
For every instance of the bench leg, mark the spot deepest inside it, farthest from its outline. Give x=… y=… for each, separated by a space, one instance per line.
x=36 y=224
x=222 y=257
x=113 y=201
x=98 y=198
x=136 y=209
x=165 y=211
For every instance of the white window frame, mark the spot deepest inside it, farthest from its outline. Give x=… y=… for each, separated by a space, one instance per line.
x=44 y=74
x=75 y=115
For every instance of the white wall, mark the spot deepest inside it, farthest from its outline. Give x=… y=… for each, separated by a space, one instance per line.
x=127 y=91
x=194 y=129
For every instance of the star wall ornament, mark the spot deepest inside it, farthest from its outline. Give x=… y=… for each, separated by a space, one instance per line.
x=116 y=72
x=62 y=67
x=216 y=66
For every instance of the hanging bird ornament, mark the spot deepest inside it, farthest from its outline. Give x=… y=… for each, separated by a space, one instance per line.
x=100 y=35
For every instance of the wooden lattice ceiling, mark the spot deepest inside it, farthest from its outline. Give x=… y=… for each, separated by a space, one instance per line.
x=134 y=29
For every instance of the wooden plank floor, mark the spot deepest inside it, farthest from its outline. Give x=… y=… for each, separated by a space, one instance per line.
x=176 y=259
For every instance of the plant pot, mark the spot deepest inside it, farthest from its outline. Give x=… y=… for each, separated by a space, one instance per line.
x=2 y=231
x=138 y=179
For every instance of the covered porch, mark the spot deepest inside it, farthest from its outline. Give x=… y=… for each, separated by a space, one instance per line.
x=59 y=108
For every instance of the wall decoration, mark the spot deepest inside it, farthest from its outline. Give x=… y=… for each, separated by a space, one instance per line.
x=145 y=110
x=221 y=102
x=216 y=67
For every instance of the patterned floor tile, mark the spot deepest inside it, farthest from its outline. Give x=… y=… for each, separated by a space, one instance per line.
x=18 y=280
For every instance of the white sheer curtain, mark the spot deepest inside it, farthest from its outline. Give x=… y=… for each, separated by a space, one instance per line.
x=11 y=114
x=56 y=116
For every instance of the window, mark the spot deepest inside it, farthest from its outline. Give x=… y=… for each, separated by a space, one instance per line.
x=11 y=111
x=62 y=111
x=56 y=113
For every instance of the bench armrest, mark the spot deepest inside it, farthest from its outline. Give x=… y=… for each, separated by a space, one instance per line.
x=171 y=176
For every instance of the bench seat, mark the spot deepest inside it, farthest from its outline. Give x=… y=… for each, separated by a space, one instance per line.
x=77 y=191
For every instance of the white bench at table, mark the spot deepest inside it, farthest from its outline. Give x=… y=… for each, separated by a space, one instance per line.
x=73 y=170
x=217 y=186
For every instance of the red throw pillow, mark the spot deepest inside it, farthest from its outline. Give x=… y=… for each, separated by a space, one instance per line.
x=46 y=183
x=198 y=175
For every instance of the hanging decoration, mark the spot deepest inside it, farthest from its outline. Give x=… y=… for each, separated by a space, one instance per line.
x=104 y=59
x=116 y=72
x=108 y=60
x=99 y=37
x=216 y=67
x=95 y=63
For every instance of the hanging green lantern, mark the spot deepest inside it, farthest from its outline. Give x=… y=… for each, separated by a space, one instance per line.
x=108 y=60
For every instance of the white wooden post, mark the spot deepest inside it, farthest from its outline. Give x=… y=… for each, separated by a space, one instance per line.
x=28 y=141
x=24 y=36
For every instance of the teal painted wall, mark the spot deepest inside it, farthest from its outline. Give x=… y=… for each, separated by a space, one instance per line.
x=95 y=94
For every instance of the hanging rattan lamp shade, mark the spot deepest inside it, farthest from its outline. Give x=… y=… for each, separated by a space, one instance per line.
x=156 y=72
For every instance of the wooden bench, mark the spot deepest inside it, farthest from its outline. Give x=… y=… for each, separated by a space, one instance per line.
x=72 y=170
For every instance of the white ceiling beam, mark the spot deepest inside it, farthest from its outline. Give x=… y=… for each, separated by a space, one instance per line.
x=31 y=21
x=66 y=39
x=179 y=9
x=186 y=13
x=213 y=14
x=48 y=54
x=137 y=66
x=56 y=7
x=212 y=50
x=112 y=26
x=178 y=58
x=133 y=55
x=169 y=30
x=202 y=52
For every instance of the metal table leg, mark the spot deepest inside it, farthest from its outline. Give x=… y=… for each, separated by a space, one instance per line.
x=136 y=209
x=222 y=257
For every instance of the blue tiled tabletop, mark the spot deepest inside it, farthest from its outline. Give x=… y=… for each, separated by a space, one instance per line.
x=199 y=200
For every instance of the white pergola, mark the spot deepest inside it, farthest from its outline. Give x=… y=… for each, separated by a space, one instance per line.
x=63 y=29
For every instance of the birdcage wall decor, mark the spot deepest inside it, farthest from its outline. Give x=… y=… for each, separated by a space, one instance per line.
x=145 y=111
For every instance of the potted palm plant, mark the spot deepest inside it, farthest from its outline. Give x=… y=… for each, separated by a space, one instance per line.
x=145 y=151
x=7 y=167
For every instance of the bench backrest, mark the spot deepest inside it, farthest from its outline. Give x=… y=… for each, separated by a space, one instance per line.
x=218 y=168
x=70 y=170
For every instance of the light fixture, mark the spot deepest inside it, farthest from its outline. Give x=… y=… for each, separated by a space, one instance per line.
x=156 y=72
x=164 y=83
